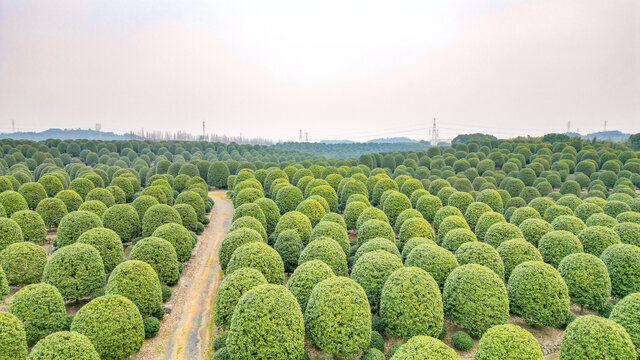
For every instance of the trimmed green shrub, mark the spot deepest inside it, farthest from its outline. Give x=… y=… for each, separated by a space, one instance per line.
x=82 y=186
x=332 y=230
x=406 y=215
x=614 y=208
x=394 y=204
x=75 y=224
x=601 y=220
x=554 y=211
x=76 y=271
x=435 y=260
x=492 y=198
x=230 y=291
x=104 y=196
x=475 y=298
x=376 y=244
x=623 y=263
x=151 y=327
x=516 y=251
x=178 y=236
x=41 y=309
x=372 y=270
x=334 y=217
x=474 y=211
x=372 y=229
x=33 y=193
x=595 y=239
x=569 y=223
x=328 y=251
x=411 y=304
x=192 y=198
x=218 y=174
x=461 y=341
x=32 y=225
x=457 y=237
x=289 y=246
x=477 y=252
x=627 y=313
x=555 y=245
x=522 y=214
x=266 y=324
x=271 y=213
x=415 y=227
x=373 y=354
x=12 y=201
x=501 y=232
x=221 y=354
x=51 y=210
x=538 y=294
x=166 y=292
x=424 y=347
x=13 y=341
x=508 y=342
x=371 y=213
x=10 y=233
x=23 y=262
x=485 y=221
x=124 y=220
x=428 y=205
x=377 y=341
x=305 y=278
x=108 y=244
x=288 y=198
x=297 y=221
x=158 y=215
x=338 y=317
x=589 y=335
x=113 y=325
x=629 y=233
x=450 y=223
x=142 y=203
x=137 y=281
x=161 y=255
x=189 y=217
x=64 y=345
x=588 y=280
x=260 y=256
x=219 y=341
x=444 y=213
x=412 y=244
x=4 y=284
x=585 y=210
x=534 y=229
x=52 y=185
x=233 y=240
x=312 y=209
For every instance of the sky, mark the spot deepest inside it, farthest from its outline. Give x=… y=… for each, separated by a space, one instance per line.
x=357 y=69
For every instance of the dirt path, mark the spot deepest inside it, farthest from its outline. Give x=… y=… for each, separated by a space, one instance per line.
x=186 y=332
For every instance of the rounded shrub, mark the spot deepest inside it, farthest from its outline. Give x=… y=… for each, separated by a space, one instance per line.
x=629 y=233
x=161 y=255
x=372 y=229
x=415 y=227
x=103 y=195
x=76 y=271
x=219 y=341
x=373 y=354
x=623 y=263
x=266 y=324
x=192 y=198
x=178 y=236
x=376 y=244
x=614 y=208
x=534 y=229
x=406 y=215
x=151 y=327
x=108 y=244
x=230 y=291
x=251 y=223
x=261 y=257
x=461 y=341
x=124 y=220
x=585 y=210
x=297 y=221
x=305 y=278
x=516 y=251
x=601 y=219
x=569 y=223
x=555 y=245
x=32 y=225
x=435 y=260
x=51 y=210
x=189 y=217
x=588 y=280
x=332 y=230
x=371 y=213
x=289 y=246
x=113 y=325
x=450 y=223
x=538 y=294
x=428 y=205
x=372 y=270
x=554 y=211
x=508 y=342
x=411 y=304
x=627 y=313
x=158 y=215
x=501 y=232
x=522 y=214
x=595 y=239
x=137 y=281
x=288 y=198
x=33 y=193
x=457 y=237
x=233 y=240
x=271 y=213
x=589 y=335
x=41 y=309
x=23 y=263
x=338 y=317
x=13 y=341
x=312 y=209
x=10 y=232
x=424 y=347
x=51 y=183
x=351 y=213
x=480 y=253
x=82 y=186
x=12 y=201
x=64 y=345
x=475 y=298
x=328 y=251
x=487 y=220
x=75 y=224
x=142 y=203
x=394 y=204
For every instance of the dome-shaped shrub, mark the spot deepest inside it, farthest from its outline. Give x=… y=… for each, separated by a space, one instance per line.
x=10 y=232
x=450 y=223
x=218 y=174
x=501 y=232
x=480 y=253
x=82 y=186
x=108 y=244
x=51 y=183
x=372 y=270
x=424 y=347
x=137 y=281
x=233 y=240
x=351 y=213
x=251 y=223
x=569 y=223
x=32 y=225
x=487 y=220
x=372 y=229
x=371 y=213
x=230 y=291
x=23 y=262
x=623 y=263
x=312 y=209
x=260 y=256
x=41 y=309
x=457 y=237
x=555 y=245
x=334 y=231
x=394 y=204
x=627 y=313
x=103 y=195
x=188 y=216
x=289 y=246
x=474 y=211
x=75 y=224
x=538 y=294
x=297 y=221
x=336 y=218
x=516 y=251
x=33 y=193
x=68 y=345
x=271 y=213
x=4 y=284
x=595 y=239
x=192 y=198
x=328 y=251
x=415 y=227
x=76 y=271
x=288 y=198
x=124 y=220
x=585 y=210
x=629 y=233
x=522 y=214
x=589 y=335
x=435 y=260
x=554 y=211
x=411 y=304
x=338 y=317
x=305 y=278
x=475 y=298
x=614 y=208
x=377 y=244
x=113 y=325
x=51 y=210
x=161 y=255
x=158 y=215
x=587 y=278
x=601 y=219
x=508 y=342
x=142 y=203
x=444 y=213
x=534 y=229
x=428 y=205
x=12 y=201
x=406 y=215
x=266 y=324
x=179 y=237
x=492 y=198
x=13 y=341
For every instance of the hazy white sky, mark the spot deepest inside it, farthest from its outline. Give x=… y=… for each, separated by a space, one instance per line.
x=336 y=69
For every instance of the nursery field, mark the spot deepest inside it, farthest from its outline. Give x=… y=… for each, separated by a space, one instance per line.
x=487 y=249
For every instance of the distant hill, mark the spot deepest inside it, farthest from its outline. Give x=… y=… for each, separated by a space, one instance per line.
x=613 y=135
x=343 y=141
x=393 y=140
x=67 y=134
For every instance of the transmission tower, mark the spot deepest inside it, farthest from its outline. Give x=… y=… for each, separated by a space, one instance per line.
x=300 y=136
x=434 y=134
x=13 y=126
x=203 y=130
x=605 y=126
x=568 y=126
x=306 y=137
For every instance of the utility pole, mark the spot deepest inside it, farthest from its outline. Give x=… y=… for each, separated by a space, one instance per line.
x=13 y=126
x=568 y=126
x=300 y=136
x=605 y=126
x=306 y=137
x=202 y=130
